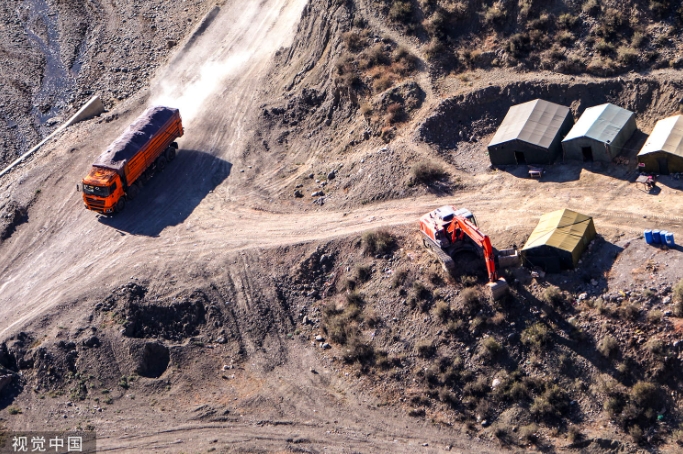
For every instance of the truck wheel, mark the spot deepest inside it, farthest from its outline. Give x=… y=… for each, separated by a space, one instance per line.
x=161 y=163
x=120 y=205
x=170 y=154
x=132 y=192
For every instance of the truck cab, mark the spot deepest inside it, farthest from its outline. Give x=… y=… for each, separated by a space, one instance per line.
x=102 y=190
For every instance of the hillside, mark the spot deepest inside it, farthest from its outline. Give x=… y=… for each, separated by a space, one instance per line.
x=268 y=291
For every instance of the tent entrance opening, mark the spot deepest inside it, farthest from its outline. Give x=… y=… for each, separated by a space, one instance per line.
x=519 y=157
x=587 y=153
x=663 y=166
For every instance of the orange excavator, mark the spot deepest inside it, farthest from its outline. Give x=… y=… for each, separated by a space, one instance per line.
x=447 y=231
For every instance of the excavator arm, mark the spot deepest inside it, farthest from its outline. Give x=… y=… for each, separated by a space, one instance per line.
x=461 y=227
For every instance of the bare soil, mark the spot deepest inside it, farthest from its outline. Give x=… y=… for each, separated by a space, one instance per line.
x=189 y=322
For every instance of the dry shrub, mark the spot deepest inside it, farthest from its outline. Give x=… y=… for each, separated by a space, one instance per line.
x=383 y=81
x=428 y=173
x=395 y=113
x=495 y=14
x=629 y=311
x=608 y=347
x=374 y=56
x=401 y=11
x=536 y=336
x=471 y=299
x=355 y=41
x=626 y=55
x=567 y=21
x=553 y=296
x=554 y=402
x=425 y=348
x=655 y=316
x=442 y=310
x=378 y=242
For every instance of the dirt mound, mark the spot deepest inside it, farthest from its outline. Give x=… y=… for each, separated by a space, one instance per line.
x=12 y=215
x=179 y=320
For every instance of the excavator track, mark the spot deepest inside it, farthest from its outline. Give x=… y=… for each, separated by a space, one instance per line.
x=445 y=259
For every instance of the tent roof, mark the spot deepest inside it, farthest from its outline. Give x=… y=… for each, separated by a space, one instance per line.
x=561 y=229
x=666 y=136
x=536 y=122
x=601 y=123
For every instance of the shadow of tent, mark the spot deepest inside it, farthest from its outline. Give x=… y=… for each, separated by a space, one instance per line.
x=172 y=195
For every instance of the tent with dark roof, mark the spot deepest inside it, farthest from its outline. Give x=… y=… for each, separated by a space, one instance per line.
x=530 y=133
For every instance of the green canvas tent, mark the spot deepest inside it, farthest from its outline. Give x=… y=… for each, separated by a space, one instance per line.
x=530 y=134
x=558 y=240
x=599 y=134
x=663 y=151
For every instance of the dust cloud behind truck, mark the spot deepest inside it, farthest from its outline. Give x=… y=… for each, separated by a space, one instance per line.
x=145 y=147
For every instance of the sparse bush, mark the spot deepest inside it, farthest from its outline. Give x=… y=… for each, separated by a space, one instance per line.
x=655 y=346
x=13 y=410
x=395 y=113
x=358 y=350
x=678 y=291
x=354 y=299
x=477 y=388
x=404 y=62
x=401 y=11
x=638 y=39
x=604 y=48
x=678 y=309
x=363 y=273
x=574 y=434
x=591 y=7
x=608 y=347
x=626 y=55
x=384 y=81
x=355 y=42
x=567 y=21
x=366 y=109
x=425 y=348
x=455 y=326
x=645 y=395
x=399 y=278
x=518 y=391
x=659 y=8
x=536 y=336
x=442 y=310
x=374 y=56
x=495 y=14
x=378 y=242
x=529 y=433
x=655 y=316
x=629 y=311
x=471 y=298
x=553 y=402
x=468 y=281
x=553 y=296
x=636 y=433
x=565 y=38
x=492 y=347
x=428 y=173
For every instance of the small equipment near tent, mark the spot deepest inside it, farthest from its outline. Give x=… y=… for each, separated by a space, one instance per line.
x=600 y=134
x=531 y=133
x=663 y=151
x=558 y=240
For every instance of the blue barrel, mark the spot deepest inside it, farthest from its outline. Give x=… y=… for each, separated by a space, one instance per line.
x=655 y=237
x=662 y=236
x=648 y=236
x=670 y=239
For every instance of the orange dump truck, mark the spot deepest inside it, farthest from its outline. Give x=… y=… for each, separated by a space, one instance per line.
x=144 y=148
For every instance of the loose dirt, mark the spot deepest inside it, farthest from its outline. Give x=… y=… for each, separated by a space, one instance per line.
x=198 y=290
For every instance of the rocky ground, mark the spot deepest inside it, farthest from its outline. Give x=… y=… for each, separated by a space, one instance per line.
x=55 y=55
x=238 y=302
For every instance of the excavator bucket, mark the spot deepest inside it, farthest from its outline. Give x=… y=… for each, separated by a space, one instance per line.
x=498 y=289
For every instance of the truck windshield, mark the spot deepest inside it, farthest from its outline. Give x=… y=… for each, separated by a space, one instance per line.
x=97 y=190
